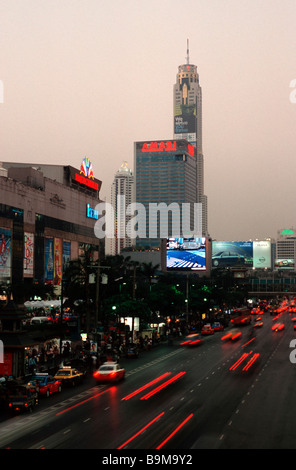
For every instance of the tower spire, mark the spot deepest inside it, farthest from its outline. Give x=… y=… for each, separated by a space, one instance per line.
x=187 y=51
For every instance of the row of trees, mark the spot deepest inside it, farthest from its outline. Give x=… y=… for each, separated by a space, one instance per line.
x=119 y=287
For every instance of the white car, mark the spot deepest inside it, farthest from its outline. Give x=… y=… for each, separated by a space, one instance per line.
x=109 y=372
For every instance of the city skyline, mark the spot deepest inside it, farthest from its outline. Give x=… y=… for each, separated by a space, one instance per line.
x=90 y=79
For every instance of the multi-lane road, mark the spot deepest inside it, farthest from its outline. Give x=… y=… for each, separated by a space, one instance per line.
x=211 y=402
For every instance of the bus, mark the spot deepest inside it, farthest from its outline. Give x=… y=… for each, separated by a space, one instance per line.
x=240 y=316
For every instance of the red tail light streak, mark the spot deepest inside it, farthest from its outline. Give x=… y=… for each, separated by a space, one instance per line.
x=141 y=430
x=139 y=390
x=175 y=431
x=236 y=336
x=231 y=335
x=228 y=336
x=160 y=387
x=251 y=362
x=248 y=342
x=278 y=327
x=242 y=359
x=81 y=402
x=195 y=342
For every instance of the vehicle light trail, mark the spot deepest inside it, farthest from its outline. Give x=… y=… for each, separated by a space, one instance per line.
x=81 y=402
x=239 y=361
x=237 y=335
x=251 y=361
x=160 y=387
x=226 y=336
x=141 y=430
x=248 y=342
x=196 y=341
x=175 y=431
x=139 y=390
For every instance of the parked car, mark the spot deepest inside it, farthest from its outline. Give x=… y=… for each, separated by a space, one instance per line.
x=207 y=330
x=22 y=397
x=69 y=376
x=45 y=384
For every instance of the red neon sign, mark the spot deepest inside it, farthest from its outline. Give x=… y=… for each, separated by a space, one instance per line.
x=82 y=180
x=159 y=146
x=191 y=150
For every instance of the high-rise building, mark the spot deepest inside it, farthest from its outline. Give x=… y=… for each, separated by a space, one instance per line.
x=165 y=173
x=188 y=122
x=122 y=195
x=285 y=256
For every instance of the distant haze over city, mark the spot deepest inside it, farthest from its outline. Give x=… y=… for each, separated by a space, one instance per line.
x=91 y=78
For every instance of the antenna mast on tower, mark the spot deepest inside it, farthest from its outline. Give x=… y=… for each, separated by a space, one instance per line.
x=187 y=51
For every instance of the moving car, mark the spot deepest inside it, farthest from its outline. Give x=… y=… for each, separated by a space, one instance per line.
x=68 y=375
x=207 y=330
x=258 y=324
x=192 y=340
x=232 y=335
x=278 y=327
x=109 y=372
x=45 y=384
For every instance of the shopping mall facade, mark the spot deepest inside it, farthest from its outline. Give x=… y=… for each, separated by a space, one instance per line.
x=47 y=217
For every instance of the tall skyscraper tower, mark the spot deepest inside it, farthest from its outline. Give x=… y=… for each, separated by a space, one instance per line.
x=122 y=194
x=165 y=172
x=188 y=122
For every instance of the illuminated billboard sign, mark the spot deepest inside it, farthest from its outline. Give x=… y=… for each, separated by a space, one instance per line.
x=91 y=213
x=284 y=263
x=159 y=146
x=225 y=254
x=262 y=254
x=82 y=180
x=86 y=168
x=166 y=146
x=251 y=254
x=85 y=176
x=185 y=119
x=186 y=254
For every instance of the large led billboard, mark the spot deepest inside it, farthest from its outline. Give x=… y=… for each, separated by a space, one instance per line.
x=251 y=254
x=186 y=254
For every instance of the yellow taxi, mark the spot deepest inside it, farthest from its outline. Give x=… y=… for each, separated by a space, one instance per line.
x=69 y=375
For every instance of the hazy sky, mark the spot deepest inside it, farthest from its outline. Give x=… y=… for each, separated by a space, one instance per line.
x=91 y=77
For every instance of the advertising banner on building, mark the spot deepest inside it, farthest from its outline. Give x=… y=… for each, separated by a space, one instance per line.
x=232 y=253
x=6 y=366
x=185 y=119
x=262 y=254
x=284 y=263
x=58 y=261
x=28 y=254
x=5 y=254
x=48 y=260
x=66 y=254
